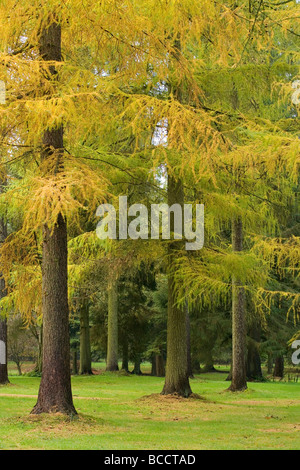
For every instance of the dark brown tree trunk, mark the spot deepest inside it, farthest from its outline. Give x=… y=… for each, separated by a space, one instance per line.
x=279 y=367
x=85 y=343
x=238 y=382
x=137 y=366
x=55 y=393
x=159 y=365
x=112 y=328
x=153 y=365
x=177 y=380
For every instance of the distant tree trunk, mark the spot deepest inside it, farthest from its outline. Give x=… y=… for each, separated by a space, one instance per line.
x=153 y=365
x=209 y=362
x=239 y=381
x=196 y=365
x=125 y=361
x=55 y=394
x=18 y=364
x=254 y=371
x=177 y=380
x=112 y=330
x=279 y=367
x=159 y=365
x=85 y=343
x=270 y=363
x=137 y=365
x=3 y=350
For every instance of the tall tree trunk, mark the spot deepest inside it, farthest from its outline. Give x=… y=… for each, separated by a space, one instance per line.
x=137 y=365
x=55 y=394
x=112 y=328
x=279 y=367
x=153 y=365
x=177 y=380
x=159 y=365
x=239 y=381
x=85 y=343
x=3 y=322
x=3 y=351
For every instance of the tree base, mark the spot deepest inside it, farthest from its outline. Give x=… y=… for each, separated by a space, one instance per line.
x=68 y=410
x=233 y=388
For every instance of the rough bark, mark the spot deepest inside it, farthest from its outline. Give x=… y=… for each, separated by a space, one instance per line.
x=177 y=380
x=112 y=328
x=55 y=393
x=239 y=381
x=85 y=342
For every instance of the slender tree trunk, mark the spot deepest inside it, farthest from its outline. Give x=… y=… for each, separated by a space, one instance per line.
x=85 y=343
x=125 y=354
x=238 y=382
x=112 y=328
x=3 y=351
x=177 y=380
x=270 y=363
x=153 y=365
x=159 y=365
x=55 y=394
x=3 y=322
x=279 y=367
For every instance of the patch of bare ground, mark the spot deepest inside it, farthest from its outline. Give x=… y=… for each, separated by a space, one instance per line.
x=66 y=426
x=286 y=428
x=174 y=397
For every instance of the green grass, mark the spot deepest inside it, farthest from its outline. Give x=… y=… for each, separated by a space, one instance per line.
x=126 y=412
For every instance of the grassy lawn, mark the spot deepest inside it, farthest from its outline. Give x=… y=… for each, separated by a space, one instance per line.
x=119 y=411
